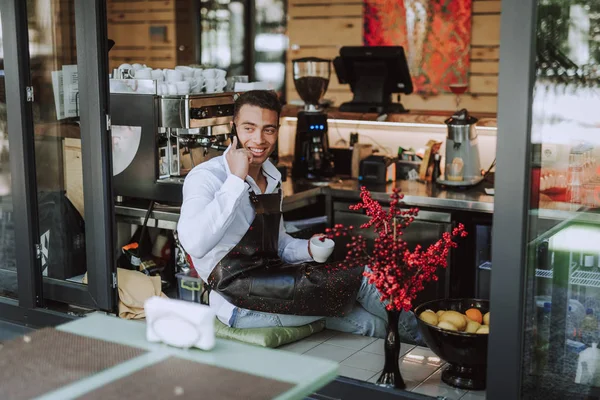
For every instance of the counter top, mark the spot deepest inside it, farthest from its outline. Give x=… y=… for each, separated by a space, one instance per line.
x=417 y=194
x=428 y=195
x=414 y=117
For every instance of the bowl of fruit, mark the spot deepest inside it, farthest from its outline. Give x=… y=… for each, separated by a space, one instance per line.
x=457 y=331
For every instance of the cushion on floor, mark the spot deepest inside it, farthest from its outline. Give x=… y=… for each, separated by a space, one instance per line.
x=268 y=337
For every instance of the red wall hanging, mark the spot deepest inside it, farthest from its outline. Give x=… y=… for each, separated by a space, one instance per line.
x=435 y=34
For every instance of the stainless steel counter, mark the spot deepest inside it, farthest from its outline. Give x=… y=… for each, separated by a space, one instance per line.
x=133 y=212
x=417 y=194
x=424 y=195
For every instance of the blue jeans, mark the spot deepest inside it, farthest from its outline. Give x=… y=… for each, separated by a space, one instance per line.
x=368 y=318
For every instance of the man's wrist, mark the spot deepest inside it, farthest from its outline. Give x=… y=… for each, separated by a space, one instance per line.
x=232 y=173
x=237 y=173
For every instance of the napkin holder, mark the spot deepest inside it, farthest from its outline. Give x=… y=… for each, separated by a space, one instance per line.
x=377 y=169
x=179 y=323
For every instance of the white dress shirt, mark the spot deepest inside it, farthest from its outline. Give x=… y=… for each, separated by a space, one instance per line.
x=215 y=215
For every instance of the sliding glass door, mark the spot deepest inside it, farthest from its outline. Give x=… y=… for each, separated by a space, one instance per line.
x=56 y=68
x=8 y=263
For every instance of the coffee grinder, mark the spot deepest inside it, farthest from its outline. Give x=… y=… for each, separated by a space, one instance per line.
x=312 y=159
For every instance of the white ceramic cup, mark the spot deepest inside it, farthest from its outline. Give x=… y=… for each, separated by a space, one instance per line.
x=125 y=66
x=143 y=73
x=162 y=89
x=214 y=85
x=221 y=73
x=196 y=84
x=171 y=89
x=137 y=66
x=158 y=75
x=210 y=73
x=174 y=75
x=186 y=71
x=126 y=71
x=321 y=250
x=183 y=87
x=198 y=73
x=201 y=84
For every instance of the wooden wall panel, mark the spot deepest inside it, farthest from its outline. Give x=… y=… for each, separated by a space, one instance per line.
x=484 y=67
x=485 y=30
x=446 y=102
x=321 y=52
x=140 y=5
x=319 y=29
x=137 y=5
x=129 y=35
x=327 y=10
x=486 y=53
x=490 y=6
x=131 y=16
x=483 y=84
x=129 y=25
x=318 y=2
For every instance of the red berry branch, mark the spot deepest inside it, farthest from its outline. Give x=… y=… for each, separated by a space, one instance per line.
x=398 y=273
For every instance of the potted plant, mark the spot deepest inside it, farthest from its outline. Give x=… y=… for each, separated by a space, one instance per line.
x=398 y=272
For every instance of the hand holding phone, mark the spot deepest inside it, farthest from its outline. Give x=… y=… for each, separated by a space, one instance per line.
x=238 y=159
x=235 y=135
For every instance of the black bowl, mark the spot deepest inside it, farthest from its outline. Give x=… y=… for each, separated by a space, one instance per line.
x=466 y=353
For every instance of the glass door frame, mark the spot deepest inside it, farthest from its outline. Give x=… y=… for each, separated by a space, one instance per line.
x=100 y=226
x=511 y=199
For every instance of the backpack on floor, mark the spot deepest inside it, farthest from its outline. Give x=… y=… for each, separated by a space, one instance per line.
x=62 y=236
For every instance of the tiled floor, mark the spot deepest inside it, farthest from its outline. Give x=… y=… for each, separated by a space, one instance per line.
x=361 y=358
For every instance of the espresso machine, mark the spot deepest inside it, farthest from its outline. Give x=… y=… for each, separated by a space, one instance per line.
x=312 y=159
x=158 y=139
x=462 y=167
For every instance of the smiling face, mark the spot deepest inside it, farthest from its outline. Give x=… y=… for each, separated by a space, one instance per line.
x=257 y=130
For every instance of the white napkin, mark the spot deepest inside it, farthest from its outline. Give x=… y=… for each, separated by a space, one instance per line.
x=179 y=323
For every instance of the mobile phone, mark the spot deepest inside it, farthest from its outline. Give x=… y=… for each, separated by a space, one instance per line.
x=234 y=134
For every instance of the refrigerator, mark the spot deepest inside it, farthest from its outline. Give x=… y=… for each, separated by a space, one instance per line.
x=545 y=280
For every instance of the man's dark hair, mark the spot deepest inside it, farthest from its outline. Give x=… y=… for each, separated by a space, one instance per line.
x=266 y=99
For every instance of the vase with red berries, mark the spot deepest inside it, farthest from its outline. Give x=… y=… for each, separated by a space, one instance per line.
x=397 y=272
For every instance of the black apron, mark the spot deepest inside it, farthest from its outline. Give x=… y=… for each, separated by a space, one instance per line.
x=252 y=275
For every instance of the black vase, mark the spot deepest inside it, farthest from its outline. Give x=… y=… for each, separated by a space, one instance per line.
x=390 y=376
